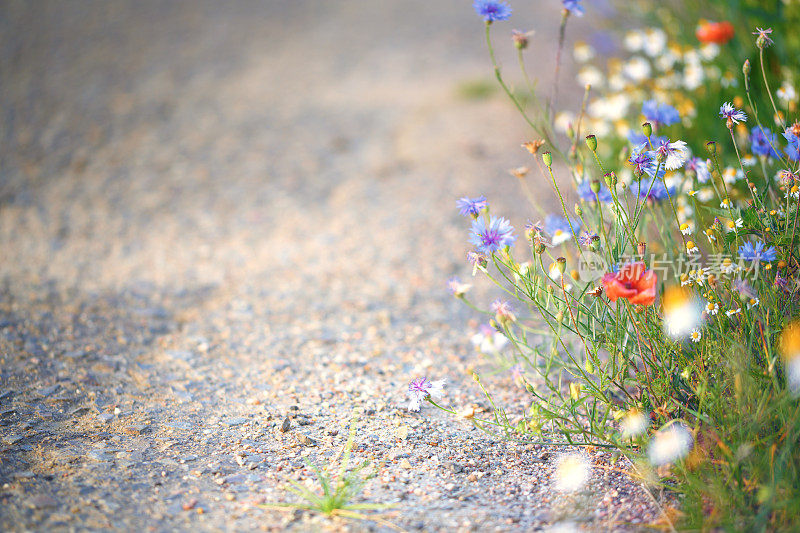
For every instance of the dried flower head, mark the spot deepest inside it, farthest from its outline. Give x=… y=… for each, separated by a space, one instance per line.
x=533 y=146
x=519 y=172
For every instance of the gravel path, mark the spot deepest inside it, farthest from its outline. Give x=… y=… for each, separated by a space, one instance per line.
x=216 y=217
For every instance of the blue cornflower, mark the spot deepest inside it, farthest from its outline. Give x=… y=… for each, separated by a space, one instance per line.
x=558 y=227
x=574 y=7
x=587 y=195
x=700 y=168
x=731 y=114
x=471 y=206
x=636 y=138
x=586 y=237
x=793 y=149
x=644 y=162
x=492 y=237
x=658 y=192
x=492 y=10
x=763 y=142
x=749 y=252
x=660 y=114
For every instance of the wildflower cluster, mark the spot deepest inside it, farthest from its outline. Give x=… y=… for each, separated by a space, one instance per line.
x=669 y=292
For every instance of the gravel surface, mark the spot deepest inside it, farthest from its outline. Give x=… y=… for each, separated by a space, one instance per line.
x=226 y=228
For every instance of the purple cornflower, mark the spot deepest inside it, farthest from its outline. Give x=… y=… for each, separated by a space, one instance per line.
x=492 y=237
x=731 y=114
x=492 y=10
x=471 y=206
x=587 y=194
x=792 y=150
x=644 y=162
x=535 y=233
x=673 y=154
x=660 y=114
x=763 y=36
x=574 y=7
x=786 y=178
x=658 y=192
x=749 y=252
x=700 y=168
x=781 y=282
x=503 y=310
x=534 y=227
x=421 y=389
x=585 y=238
x=559 y=228
x=477 y=260
x=457 y=288
x=763 y=142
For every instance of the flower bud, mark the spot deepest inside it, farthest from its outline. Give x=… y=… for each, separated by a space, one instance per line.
x=611 y=179
x=520 y=39
x=578 y=210
x=641 y=248
x=591 y=142
x=547 y=157
x=594 y=243
x=561 y=264
x=575 y=391
x=595 y=186
x=711 y=146
x=746 y=67
x=539 y=248
x=647 y=129
x=761 y=41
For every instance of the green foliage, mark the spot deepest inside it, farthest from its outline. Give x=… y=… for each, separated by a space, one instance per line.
x=337 y=492
x=711 y=356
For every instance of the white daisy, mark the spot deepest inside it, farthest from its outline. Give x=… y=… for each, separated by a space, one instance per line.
x=636 y=69
x=582 y=52
x=572 y=472
x=669 y=444
x=786 y=93
x=635 y=423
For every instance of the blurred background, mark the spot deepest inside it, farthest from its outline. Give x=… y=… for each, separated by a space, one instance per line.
x=189 y=143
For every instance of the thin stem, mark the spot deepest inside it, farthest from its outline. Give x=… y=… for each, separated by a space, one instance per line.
x=766 y=85
x=514 y=99
x=561 y=34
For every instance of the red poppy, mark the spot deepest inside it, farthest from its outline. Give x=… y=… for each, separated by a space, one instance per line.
x=633 y=283
x=715 y=32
